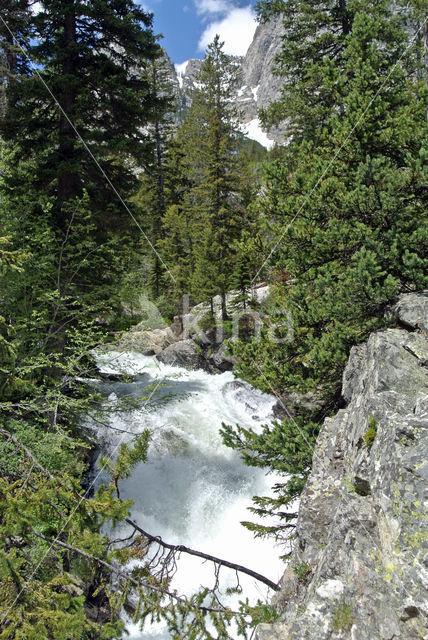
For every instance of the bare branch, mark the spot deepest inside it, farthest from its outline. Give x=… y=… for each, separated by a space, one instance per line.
x=199 y=554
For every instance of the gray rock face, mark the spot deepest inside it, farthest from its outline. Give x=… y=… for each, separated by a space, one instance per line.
x=257 y=75
x=258 y=86
x=146 y=342
x=184 y=353
x=360 y=558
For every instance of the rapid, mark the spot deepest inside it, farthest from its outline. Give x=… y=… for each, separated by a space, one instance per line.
x=192 y=490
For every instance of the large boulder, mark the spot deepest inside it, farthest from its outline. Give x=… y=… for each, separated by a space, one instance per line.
x=184 y=353
x=412 y=311
x=358 y=570
x=146 y=342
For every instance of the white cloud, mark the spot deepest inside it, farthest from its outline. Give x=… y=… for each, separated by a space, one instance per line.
x=207 y=7
x=236 y=29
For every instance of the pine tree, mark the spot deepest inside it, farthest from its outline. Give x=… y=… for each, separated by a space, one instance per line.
x=80 y=112
x=15 y=21
x=152 y=196
x=74 y=123
x=311 y=63
x=210 y=137
x=314 y=40
x=352 y=226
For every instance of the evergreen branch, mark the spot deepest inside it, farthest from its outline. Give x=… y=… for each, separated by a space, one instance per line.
x=27 y=451
x=129 y=578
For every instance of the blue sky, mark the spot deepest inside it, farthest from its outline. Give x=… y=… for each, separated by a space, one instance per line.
x=189 y=25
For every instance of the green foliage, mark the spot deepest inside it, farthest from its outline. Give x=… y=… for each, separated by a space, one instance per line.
x=343 y=616
x=315 y=35
x=302 y=571
x=152 y=196
x=71 y=60
x=208 y=211
x=127 y=457
x=347 y=211
x=285 y=447
x=40 y=496
x=370 y=434
x=248 y=256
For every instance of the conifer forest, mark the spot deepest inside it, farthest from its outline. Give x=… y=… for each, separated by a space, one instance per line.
x=113 y=190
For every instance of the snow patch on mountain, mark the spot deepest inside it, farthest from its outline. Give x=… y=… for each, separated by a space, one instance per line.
x=254 y=131
x=180 y=70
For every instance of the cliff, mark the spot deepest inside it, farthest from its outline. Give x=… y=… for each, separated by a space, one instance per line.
x=257 y=88
x=360 y=558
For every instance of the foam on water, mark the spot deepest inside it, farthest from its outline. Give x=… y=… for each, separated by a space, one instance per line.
x=192 y=490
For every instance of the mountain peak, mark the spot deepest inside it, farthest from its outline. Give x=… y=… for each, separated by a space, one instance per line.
x=258 y=86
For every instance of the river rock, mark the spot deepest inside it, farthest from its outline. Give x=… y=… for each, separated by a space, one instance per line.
x=184 y=353
x=359 y=561
x=221 y=360
x=146 y=342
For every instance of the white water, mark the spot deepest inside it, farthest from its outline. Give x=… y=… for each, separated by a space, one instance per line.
x=192 y=490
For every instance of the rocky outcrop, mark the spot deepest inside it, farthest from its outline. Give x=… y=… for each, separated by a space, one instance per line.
x=360 y=556
x=260 y=57
x=260 y=86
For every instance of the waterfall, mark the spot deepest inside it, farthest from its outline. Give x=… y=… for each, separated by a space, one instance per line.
x=192 y=490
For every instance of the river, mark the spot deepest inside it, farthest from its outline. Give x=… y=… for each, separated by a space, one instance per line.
x=192 y=490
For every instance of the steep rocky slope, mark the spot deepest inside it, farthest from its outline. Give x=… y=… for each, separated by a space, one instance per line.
x=359 y=562
x=258 y=86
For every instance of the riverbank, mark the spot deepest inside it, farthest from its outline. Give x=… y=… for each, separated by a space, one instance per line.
x=198 y=338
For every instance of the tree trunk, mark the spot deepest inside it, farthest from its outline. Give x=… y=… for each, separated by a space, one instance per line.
x=344 y=16
x=224 y=315
x=68 y=184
